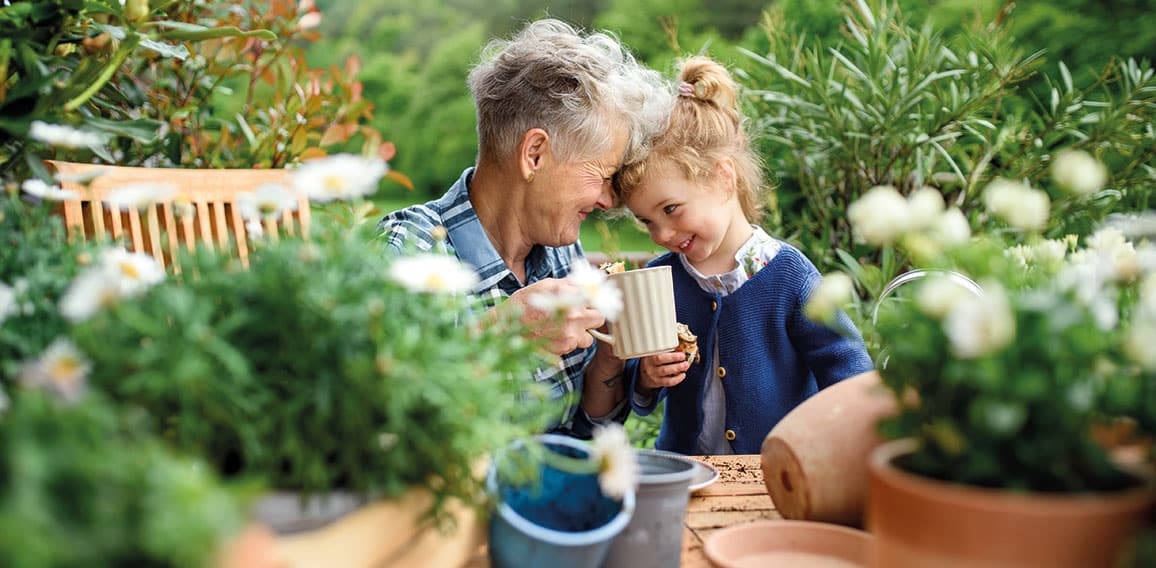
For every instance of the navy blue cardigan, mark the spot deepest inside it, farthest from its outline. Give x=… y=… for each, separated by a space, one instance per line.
x=773 y=357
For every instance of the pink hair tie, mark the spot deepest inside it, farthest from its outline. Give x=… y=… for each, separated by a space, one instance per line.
x=685 y=89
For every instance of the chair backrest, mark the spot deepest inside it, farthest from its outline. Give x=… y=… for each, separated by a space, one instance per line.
x=159 y=229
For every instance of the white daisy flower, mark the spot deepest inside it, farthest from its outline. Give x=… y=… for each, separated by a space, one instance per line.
x=1020 y=206
x=342 y=176
x=835 y=290
x=596 y=289
x=617 y=465
x=977 y=326
x=555 y=302
x=139 y=196
x=268 y=201
x=133 y=272
x=8 y=305
x=61 y=369
x=118 y=274
x=36 y=187
x=1079 y=172
x=879 y=216
x=64 y=136
x=91 y=291
x=436 y=273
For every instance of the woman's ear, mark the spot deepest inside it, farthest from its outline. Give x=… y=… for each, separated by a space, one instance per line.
x=531 y=151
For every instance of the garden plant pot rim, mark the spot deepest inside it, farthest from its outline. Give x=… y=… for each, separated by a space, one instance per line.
x=685 y=475
x=564 y=538
x=975 y=497
x=713 y=547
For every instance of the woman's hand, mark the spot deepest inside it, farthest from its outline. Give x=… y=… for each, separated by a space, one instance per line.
x=662 y=370
x=562 y=334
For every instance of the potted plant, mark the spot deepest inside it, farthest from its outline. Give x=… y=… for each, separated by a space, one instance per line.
x=329 y=369
x=1001 y=392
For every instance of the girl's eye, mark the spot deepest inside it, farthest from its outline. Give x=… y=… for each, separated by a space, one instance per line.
x=669 y=209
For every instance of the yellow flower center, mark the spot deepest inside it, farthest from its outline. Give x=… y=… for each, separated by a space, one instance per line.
x=334 y=184
x=64 y=370
x=130 y=270
x=436 y=281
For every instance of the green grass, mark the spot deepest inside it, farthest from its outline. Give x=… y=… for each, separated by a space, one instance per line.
x=598 y=233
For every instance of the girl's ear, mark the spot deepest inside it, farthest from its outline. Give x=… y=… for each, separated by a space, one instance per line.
x=531 y=151
x=725 y=170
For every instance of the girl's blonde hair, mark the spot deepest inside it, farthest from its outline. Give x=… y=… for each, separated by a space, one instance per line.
x=705 y=127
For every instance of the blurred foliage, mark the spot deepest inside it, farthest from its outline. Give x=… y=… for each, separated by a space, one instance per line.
x=894 y=104
x=81 y=484
x=316 y=370
x=38 y=262
x=156 y=83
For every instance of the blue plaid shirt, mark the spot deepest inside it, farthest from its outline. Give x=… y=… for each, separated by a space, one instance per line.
x=412 y=229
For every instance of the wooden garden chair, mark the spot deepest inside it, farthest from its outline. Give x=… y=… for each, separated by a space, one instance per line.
x=158 y=229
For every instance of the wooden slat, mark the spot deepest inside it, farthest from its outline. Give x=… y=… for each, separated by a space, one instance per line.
x=270 y=226
x=154 y=234
x=238 y=227
x=168 y=219
x=212 y=191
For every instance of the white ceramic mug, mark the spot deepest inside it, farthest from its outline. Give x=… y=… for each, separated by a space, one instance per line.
x=646 y=325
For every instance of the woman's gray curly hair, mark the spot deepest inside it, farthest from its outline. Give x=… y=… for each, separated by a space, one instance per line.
x=575 y=87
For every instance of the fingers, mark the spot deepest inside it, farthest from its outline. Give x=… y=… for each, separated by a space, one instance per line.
x=664 y=370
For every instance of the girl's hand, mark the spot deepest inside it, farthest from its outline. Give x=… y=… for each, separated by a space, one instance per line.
x=662 y=370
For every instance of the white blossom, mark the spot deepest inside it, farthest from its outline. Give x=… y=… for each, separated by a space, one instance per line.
x=268 y=201
x=835 y=290
x=139 y=195
x=183 y=207
x=1020 y=206
x=617 y=465
x=36 y=187
x=925 y=206
x=436 y=273
x=1116 y=252
x=61 y=369
x=118 y=274
x=596 y=289
x=254 y=229
x=64 y=136
x=939 y=295
x=981 y=325
x=1078 y=172
x=879 y=216
x=952 y=228
x=1050 y=252
x=342 y=176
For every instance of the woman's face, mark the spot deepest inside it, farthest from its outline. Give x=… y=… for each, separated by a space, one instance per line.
x=703 y=221
x=566 y=192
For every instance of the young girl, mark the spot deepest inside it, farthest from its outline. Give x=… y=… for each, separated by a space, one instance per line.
x=741 y=291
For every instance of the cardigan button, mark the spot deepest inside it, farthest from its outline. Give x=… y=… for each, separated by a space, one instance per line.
x=730 y=435
x=713 y=306
x=722 y=372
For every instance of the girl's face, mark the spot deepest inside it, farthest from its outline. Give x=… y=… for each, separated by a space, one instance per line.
x=703 y=221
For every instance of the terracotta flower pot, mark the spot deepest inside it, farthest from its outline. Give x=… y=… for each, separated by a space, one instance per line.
x=793 y=544
x=393 y=532
x=815 y=459
x=920 y=522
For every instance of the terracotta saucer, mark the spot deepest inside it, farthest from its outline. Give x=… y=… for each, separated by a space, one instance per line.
x=798 y=544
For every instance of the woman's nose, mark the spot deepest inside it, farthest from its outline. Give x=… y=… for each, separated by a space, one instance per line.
x=606 y=198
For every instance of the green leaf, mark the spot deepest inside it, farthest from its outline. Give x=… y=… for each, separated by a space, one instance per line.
x=143 y=130
x=181 y=31
x=174 y=51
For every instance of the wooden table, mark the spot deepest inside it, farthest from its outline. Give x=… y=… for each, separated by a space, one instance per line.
x=739 y=496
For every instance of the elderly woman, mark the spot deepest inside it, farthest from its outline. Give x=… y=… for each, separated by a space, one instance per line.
x=559 y=113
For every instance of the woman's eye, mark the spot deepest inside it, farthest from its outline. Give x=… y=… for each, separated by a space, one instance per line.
x=669 y=209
